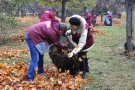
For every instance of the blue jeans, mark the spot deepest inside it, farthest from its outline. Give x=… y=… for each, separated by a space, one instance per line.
x=36 y=59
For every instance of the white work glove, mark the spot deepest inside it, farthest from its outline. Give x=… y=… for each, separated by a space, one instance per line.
x=66 y=33
x=70 y=55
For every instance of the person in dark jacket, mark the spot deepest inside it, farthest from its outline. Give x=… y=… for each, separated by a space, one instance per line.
x=39 y=38
x=83 y=37
x=48 y=15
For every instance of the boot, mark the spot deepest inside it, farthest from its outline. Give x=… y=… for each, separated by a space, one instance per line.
x=86 y=64
x=82 y=67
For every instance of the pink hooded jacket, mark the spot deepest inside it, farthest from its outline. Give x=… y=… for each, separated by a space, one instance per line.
x=48 y=16
x=88 y=19
x=45 y=32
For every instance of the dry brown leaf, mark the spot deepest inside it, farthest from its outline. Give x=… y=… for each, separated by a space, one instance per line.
x=76 y=46
x=1 y=58
x=80 y=59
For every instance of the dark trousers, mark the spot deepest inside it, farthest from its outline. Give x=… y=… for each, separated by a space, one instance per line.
x=94 y=23
x=84 y=64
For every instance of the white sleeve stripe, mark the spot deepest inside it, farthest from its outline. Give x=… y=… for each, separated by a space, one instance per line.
x=82 y=42
x=68 y=32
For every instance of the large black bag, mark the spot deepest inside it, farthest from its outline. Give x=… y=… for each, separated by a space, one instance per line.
x=61 y=61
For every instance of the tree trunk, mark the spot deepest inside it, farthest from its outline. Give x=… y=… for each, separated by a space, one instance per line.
x=63 y=11
x=102 y=11
x=22 y=13
x=84 y=11
x=129 y=26
x=17 y=14
x=102 y=15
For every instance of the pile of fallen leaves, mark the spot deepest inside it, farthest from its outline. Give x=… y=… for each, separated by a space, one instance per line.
x=12 y=52
x=99 y=32
x=18 y=37
x=99 y=24
x=116 y=21
x=14 y=78
x=27 y=19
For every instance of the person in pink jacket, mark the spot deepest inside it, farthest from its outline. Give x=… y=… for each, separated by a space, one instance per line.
x=88 y=17
x=48 y=15
x=39 y=38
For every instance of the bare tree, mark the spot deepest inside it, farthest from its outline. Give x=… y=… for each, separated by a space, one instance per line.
x=103 y=6
x=128 y=4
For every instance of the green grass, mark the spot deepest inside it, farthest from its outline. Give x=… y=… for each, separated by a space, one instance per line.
x=108 y=69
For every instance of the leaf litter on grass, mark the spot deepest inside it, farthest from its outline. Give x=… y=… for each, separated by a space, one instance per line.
x=14 y=78
x=10 y=53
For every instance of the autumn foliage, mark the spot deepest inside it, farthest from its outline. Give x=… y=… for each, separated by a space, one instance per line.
x=99 y=24
x=117 y=21
x=10 y=53
x=19 y=37
x=13 y=77
x=29 y=19
x=97 y=31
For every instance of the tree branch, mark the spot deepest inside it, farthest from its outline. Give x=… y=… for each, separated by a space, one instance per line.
x=121 y=2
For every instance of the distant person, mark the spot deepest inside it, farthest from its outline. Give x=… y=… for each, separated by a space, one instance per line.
x=108 y=20
x=39 y=38
x=48 y=15
x=88 y=17
x=119 y=15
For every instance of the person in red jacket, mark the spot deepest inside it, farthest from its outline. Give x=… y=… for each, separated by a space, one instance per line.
x=39 y=38
x=48 y=15
x=88 y=17
x=83 y=37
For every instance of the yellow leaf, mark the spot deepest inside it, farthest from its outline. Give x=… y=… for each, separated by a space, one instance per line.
x=1 y=58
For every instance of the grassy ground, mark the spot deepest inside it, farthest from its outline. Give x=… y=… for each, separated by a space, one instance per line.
x=109 y=70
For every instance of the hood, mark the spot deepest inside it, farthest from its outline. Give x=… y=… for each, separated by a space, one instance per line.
x=81 y=28
x=55 y=25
